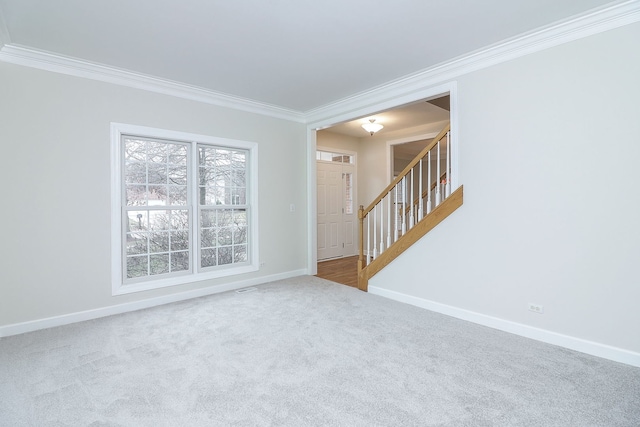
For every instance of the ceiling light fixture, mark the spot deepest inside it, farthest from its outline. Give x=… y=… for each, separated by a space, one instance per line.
x=372 y=127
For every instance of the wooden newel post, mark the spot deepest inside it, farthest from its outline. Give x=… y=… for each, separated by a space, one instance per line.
x=360 y=241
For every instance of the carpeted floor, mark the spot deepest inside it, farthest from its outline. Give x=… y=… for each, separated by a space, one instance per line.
x=303 y=352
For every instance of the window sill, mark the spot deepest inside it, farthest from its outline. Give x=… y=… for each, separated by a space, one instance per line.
x=123 y=289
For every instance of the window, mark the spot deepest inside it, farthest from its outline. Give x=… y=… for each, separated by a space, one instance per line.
x=222 y=206
x=155 y=211
x=183 y=207
x=327 y=156
x=348 y=193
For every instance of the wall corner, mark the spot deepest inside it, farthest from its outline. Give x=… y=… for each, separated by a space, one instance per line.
x=4 y=32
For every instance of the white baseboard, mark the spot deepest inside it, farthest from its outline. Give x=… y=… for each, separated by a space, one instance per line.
x=573 y=343
x=65 y=319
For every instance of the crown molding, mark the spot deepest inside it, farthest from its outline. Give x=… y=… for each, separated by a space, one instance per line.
x=21 y=55
x=412 y=87
x=397 y=92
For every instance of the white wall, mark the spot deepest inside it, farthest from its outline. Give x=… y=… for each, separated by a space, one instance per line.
x=54 y=136
x=4 y=35
x=539 y=224
x=325 y=138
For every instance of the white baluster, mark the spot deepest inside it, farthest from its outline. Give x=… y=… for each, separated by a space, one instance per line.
x=404 y=205
x=438 y=195
x=388 y=219
x=368 y=237
x=375 y=237
x=412 y=218
x=382 y=225
x=395 y=210
x=420 y=192
x=447 y=188
x=429 y=184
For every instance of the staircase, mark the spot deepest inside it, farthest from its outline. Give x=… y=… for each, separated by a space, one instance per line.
x=417 y=200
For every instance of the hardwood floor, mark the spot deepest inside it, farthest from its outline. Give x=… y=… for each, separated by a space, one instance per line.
x=341 y=270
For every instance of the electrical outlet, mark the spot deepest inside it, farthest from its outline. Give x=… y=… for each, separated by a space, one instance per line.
x=536 y=308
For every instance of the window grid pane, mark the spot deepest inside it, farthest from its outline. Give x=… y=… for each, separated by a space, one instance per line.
x=334 y=157
x=222 y=196
x=155 y=173
x=156 y=220
x=223 y=236
x=161 y=237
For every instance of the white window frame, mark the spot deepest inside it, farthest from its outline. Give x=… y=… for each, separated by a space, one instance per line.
x=196 y=273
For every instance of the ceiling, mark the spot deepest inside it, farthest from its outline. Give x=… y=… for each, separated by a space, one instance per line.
x=399 y=119
x=298 y=55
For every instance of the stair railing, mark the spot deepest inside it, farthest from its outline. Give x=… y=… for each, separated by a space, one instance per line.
x=403 y=203
x=441 y=181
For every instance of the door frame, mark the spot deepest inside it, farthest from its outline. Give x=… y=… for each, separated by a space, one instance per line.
x=354 y=108
x=393 y=142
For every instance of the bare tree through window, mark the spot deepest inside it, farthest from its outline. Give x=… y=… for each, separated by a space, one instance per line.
x=222 y=195
x=157 y=217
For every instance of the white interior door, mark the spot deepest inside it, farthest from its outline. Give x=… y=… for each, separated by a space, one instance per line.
x=330 y=233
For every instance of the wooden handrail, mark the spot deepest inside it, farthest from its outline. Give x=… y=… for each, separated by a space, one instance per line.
x=406 y=170
x=439 y=213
